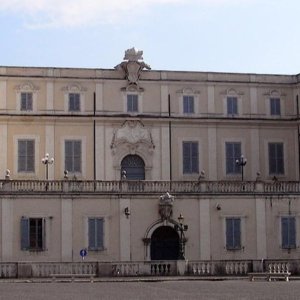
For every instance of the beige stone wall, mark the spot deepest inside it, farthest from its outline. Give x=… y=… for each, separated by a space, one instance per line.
x=67 y=232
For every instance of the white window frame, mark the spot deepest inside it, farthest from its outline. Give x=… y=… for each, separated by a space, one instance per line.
x=274 y=94
x=27 y=87
x=36 y=139
x=297 y=228
x=47 y=237
x=242 y=141
x=280 y=106
x=81 y=174
x=243 y=232
x=296 y=231
x=180 y=141
x=105 y=232
x=139 y=104
x=74 y=89
x=285 y=147
x=238 y=95
x=79 y=100
x=188 y=92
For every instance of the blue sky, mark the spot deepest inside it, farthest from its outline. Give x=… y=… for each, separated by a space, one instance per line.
x=247 y=36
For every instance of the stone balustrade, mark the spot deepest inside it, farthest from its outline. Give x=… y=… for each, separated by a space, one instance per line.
x=146 y=268
x=144 y=187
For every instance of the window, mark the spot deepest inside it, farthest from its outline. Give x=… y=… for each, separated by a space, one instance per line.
x=233 y=233
x=33 y=234
x=232 y=105
x=233 y=152
x=190 y=157
x=288 y=232
x=73 y=156
x=132 y=103
x=26 y=101
x=96 y=233
x=74 y=102
x=188 y=104
x=134 y=167
x=276 y=159
x=275 y=106
x=26 y=155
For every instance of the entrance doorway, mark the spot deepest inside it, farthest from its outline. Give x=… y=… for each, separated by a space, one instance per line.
x=134 y=167
x=164 y=244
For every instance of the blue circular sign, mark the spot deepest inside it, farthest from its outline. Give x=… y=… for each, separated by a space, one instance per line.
x=83 y=252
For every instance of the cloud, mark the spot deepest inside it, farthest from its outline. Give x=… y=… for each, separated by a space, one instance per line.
x=76 y=13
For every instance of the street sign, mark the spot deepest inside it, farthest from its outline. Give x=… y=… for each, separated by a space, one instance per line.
x=83 y=253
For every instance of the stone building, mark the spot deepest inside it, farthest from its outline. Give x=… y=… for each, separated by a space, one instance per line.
x=135 y=148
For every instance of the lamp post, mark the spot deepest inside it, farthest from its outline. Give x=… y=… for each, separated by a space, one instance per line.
x=181 y=228
x=47 y=161
x=242 y=163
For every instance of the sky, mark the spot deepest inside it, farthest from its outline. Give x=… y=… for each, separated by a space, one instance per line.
x=244 y=36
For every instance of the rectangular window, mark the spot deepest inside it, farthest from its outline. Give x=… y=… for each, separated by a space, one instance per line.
x=232 y=105
x=288 y=232
x=74 y=102
x=275 y=106
x=233 y=233
x=26 y=155
x=188 y=104
x=33 y=234
x=73 y=156
x=233 y=152
x=276 y=159
x=26 y=102
x=132 y=103
x=96 y=233
x=190 y=157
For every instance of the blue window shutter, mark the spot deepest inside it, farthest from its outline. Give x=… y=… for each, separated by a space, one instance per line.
x=233 y=233
x=190 y=157
x=233 y=152
x=285 y=232
x=292 y=232
x=96 y=233
x=92 y=233
x=100 y=233
x=24 y=233
x=186 y=156
x=276 y=158
x=195 y=157
x=44 y=234
x=237 y=233
x=232 y=106
x=229 y=234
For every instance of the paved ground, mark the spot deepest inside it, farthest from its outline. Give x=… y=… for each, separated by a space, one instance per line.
x=172 y=289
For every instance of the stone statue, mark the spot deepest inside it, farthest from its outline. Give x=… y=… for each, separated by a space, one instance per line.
x=132 y=65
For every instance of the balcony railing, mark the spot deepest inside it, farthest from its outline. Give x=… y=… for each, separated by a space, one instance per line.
x=146 y=187
x=146 y=268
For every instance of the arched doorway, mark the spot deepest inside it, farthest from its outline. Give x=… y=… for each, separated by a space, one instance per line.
x=134 y=167
x=164 y=244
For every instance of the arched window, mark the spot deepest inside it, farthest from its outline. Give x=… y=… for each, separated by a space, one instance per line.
x=134 y=167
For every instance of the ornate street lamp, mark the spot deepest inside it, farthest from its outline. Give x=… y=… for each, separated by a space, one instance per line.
x=46 y=161
x=181 y=228
x=242 y=163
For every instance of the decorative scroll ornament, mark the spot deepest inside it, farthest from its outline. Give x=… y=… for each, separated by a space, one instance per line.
x=132 y=133
x=166 y=206
x=133 y=65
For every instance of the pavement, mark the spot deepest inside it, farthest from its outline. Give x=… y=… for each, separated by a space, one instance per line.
x=133 y=279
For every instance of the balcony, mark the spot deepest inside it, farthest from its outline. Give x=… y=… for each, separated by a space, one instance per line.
x=148 y=187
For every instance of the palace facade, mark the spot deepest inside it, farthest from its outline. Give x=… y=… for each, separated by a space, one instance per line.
x=135 y=148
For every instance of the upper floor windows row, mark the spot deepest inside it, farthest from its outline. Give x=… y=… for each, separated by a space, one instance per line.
x=73 y=152
x=230 y=103
x=233 y=154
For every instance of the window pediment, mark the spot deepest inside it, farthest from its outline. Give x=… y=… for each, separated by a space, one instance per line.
x=26 y=87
